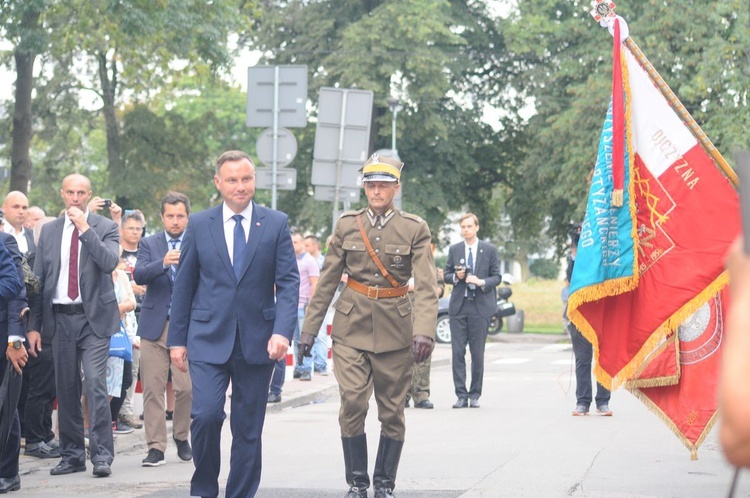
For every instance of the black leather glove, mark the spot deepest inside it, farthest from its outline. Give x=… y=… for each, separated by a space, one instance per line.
x=304 y=346
x=421 y=347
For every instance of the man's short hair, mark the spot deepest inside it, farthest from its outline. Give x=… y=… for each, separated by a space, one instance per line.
x=132 y=215
x=173 y=198
x=232 y=155
x=467 y=216
x=314 y=238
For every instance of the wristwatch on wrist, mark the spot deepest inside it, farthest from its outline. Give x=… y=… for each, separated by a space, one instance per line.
x=15 y=344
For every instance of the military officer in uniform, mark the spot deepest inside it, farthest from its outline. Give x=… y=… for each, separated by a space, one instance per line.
x=378 y=330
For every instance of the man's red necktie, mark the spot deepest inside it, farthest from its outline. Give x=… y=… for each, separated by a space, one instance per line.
x=73 y=266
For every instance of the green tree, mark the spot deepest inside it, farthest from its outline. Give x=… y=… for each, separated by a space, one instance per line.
x=442 y=59
x=563 y=61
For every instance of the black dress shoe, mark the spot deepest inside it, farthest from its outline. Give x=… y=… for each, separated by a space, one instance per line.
x=102 y=469
x=473 y=402
x=461 y=403
x=425 y=403
x=64 y=467
x=8 y=484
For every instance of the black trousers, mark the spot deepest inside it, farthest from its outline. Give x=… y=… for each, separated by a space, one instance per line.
x=9 y=458
x=36 y=403
x=115 y=404
x=468 y=327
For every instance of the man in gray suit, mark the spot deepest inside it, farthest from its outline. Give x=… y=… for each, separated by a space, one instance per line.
x=77 y=309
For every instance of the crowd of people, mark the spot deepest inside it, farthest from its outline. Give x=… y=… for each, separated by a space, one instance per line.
x=89 y=305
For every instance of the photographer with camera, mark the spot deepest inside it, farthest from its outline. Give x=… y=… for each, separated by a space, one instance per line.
x=473 y=269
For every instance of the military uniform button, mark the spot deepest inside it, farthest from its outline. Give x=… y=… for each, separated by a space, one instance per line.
x=380 y=227
x=377 y=251
x=398 y=251
x=377 y=239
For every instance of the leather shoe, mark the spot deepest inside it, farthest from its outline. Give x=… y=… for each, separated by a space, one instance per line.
x=473 y=402
x=102 y=469
x=8 y=484
x=425 y=403
x=274 y=398
x=64 y=467
x=461 y=403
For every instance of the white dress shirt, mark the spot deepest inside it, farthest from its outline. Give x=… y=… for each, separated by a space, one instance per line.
x=61 y=291
x=229 y=224
x=23 y=244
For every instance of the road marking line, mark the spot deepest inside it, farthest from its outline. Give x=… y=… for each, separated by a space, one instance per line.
x=511 y=361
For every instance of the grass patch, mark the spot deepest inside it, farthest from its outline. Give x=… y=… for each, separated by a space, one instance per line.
x=541 y=304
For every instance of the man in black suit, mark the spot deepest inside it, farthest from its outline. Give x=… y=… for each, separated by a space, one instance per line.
x=474 y=271
x=12 y=305
x=36 y=403
x=77 y=309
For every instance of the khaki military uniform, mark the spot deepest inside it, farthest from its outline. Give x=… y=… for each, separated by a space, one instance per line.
x=372 y=335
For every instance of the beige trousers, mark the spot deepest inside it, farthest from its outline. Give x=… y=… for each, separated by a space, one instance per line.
x=155 y=367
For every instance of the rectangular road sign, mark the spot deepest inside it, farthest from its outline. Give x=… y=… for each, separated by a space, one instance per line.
x=326 y=193
x=292 y=85
x=286 y=178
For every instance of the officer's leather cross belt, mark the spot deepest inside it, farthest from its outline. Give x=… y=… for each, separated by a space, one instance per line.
x=377 y=292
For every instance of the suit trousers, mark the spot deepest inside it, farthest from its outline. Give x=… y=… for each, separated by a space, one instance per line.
x=359 y=373
x=155 y=368
x=248 y=409
x=9 y=458
x=38 y=396
x=468 y=327
x=76 y=347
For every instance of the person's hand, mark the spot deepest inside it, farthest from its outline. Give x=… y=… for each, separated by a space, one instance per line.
x=78 y=218
x=136 y=344
x=115 y=212
x=178 y=355
x=473 y=279
x=34 y=339
x=95 y=204
x=172 y=257
x=138 y=290
x=278 y=345
x=421 y=347
x=305 y=345
x=17 y=357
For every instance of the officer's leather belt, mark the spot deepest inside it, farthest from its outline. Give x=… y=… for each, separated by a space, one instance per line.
x=377 y=292
x=68 y=309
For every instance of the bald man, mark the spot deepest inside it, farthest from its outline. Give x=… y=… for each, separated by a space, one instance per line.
x=15 y=212
x=77 y=311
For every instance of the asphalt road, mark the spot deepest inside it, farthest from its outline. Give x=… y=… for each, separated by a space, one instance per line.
x=522 y=442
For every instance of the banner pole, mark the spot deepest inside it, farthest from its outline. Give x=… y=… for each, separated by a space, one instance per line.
x=681 y=111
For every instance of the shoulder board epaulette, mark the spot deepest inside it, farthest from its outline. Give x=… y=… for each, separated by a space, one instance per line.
x=412 y=217
x=352 y=213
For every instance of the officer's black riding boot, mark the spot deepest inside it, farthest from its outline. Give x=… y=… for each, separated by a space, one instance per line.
x=386 y=466
x=355 y=462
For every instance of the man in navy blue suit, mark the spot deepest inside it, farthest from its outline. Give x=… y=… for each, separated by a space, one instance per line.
x=12 y=304
x=234 y=308
x=158 y=259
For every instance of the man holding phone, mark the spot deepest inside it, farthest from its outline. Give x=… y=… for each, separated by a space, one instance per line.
x=474 y=271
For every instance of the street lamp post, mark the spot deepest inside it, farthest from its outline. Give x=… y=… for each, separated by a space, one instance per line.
x=395 y=106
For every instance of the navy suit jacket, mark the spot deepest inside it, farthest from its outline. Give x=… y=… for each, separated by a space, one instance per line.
x=486 y=266
x=12 y=289
x=209 y=304
x=149 y=270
